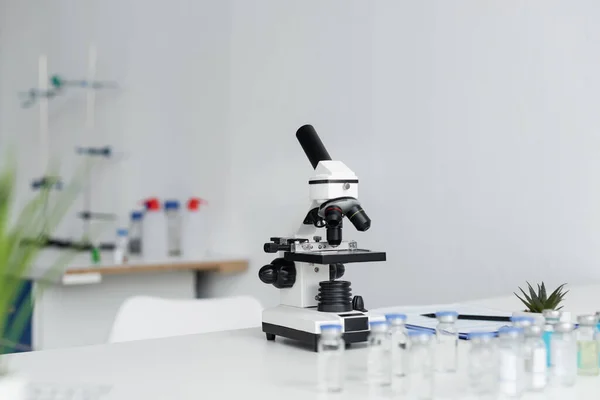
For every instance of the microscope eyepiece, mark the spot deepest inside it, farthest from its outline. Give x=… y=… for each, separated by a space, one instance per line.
x=359 y=218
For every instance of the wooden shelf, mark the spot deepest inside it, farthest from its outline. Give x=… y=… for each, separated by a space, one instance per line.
x=135 y=267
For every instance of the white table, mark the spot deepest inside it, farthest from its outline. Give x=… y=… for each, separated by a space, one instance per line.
x=234 y=364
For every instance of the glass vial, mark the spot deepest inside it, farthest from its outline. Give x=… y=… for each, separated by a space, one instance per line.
x=447 y=341
x=331 y=352
x=522 y=321
x=483 y=365
x=511 y=374
x=535 y=354
x=421 y=365
x=563 y=371
x=135 y=233
x=551 y=318
x=120 y=252
x=399 y=340
x=587 y=346
x=173 y=215
x=379 y=364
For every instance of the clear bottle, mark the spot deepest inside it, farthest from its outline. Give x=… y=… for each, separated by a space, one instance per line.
x=563 y=371
x=536 y=366
x=421 y=365
x=447 y=341
x=521 y=321
x=173 y=215
x=551 y=317
x=511 y=374
x=587 y=346
x=135 y=233
x=331 y=352
x=483 y=365
x=379 y=364
x=399 y=343
x=120 y=252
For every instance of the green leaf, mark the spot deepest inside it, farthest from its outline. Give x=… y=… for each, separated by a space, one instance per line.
x=524 y=302
x=554 y=297
x=543 y=293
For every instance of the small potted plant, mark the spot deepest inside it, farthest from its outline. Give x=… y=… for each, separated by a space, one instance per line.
x=538 y=301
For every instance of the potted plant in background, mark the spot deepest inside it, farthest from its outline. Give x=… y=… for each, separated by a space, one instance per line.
x=538 y=301
x=23 y=233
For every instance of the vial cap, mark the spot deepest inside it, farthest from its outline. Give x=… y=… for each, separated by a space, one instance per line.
x=136 y=215
x=122 y=232
x=378 y=326
x=171 y=205
x=481 y=335
x=152 y=204
x=395 y=318
x=419 y=336
x=551 y=314
x=588 y=320
x=446 y=316
x=510 y=332
x=522 y=321
x=331 y=328
x=564 y=327
x=194 y=203
x=533 y=331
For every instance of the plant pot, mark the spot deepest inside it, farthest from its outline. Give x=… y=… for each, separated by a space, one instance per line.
x=12 y=385
x=538 y=317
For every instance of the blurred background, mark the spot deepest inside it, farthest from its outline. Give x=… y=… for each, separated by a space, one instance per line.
x=472 y=125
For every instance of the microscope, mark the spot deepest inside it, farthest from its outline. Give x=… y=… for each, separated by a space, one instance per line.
x=308 y=267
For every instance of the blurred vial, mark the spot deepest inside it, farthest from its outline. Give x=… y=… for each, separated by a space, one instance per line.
x=331 y=352
x=511 y=372
x=587 y=346
x=421 y=365
x=399 y=340
x=483 y=365
x=379 y=363
x=447 y=341
x=536 y=366
x=522 y=321
x=135 y=233
x=563 y=371
x=551 y=317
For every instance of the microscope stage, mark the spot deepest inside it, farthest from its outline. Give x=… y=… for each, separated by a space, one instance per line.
x=335 y=256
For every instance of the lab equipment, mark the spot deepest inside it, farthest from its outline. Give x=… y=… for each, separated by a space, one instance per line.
x=447 y=341
x=588 y=362
x=195 y=229
x=379 y=363
x=483 y=365
x=331 y=351
x=421 y=369
x=173 y=216
x=536 y=367
x=120 y=252
x=552 y=317
x=154 y=231
x=563 y=371
x=399 y=343
x=135 y=233
x=308 y=268
x=511 y=361
x=522 y=321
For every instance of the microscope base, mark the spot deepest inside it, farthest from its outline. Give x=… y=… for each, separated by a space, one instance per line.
x=304 y=324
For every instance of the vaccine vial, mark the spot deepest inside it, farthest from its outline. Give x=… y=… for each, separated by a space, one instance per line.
x=173 y=216
x=399 y=343
x=551 y=318
x=421 y=365
x=379 y=363
x=120 y=252
x=536 y=366
x=522 y=321
x=587 y=346
x=563 y=371
x=331 y=352
x=483 y=365
x=511 y=362
x=447 y=341
x=135 y=233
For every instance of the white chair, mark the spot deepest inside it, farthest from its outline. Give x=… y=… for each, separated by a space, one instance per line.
x=143 y=317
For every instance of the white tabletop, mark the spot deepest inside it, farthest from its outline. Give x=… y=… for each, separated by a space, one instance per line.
x=234 y=364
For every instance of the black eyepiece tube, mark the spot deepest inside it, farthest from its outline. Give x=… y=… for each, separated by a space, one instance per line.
x=312 y=145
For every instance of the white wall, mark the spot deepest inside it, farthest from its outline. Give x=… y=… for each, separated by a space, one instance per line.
x=471 y=124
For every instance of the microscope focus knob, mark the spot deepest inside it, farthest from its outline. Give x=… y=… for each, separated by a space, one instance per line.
x=358 y=304
x=280 y=273
x=267 y=274
x=275 y=247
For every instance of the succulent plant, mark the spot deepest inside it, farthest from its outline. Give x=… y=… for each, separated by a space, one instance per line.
x=539 y=301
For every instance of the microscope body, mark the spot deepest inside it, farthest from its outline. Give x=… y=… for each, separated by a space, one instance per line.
x=310 y=263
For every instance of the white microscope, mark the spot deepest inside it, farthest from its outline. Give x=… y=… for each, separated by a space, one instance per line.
x=308 y=267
